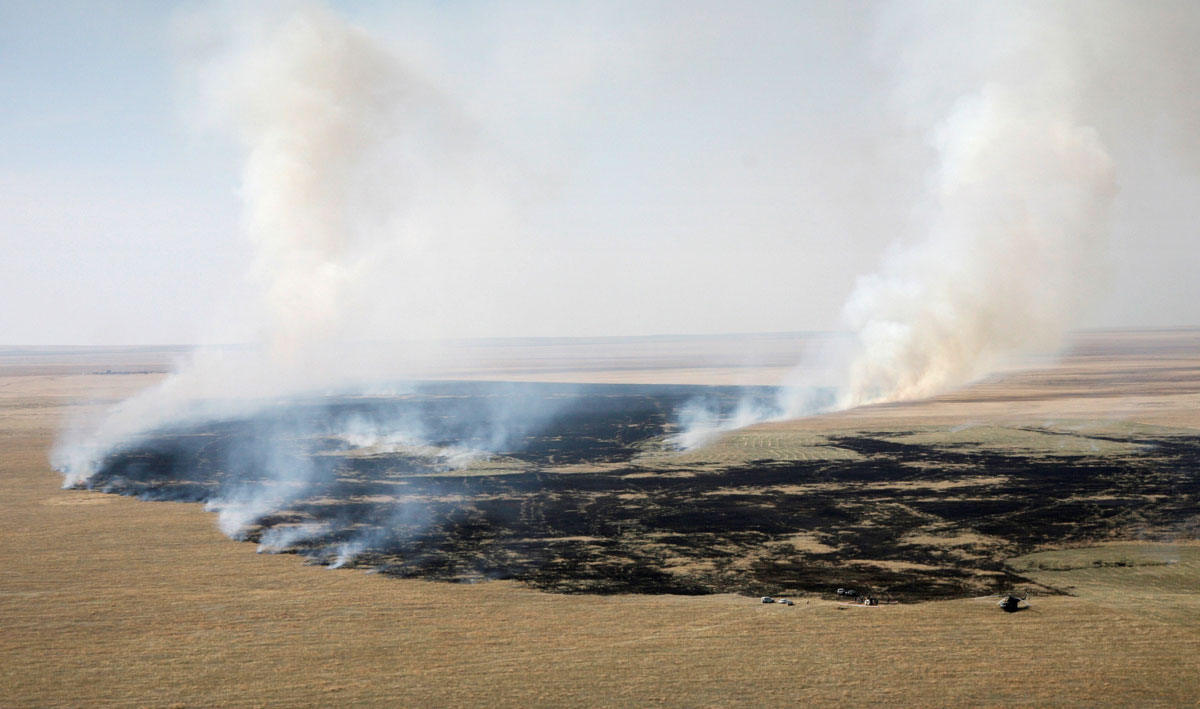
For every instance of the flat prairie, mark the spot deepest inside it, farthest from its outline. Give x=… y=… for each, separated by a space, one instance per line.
x=106 y=600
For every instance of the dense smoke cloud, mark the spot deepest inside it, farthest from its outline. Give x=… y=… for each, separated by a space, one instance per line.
x=1008 y=248
x=1016 y=231
x=1014 y=252
x=359 y=180
x=368 y=192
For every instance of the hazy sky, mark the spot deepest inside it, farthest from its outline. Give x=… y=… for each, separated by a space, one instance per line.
x=666 y=167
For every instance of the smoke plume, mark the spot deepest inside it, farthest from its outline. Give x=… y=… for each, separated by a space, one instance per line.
x=1013 y=252
x=359 y=177
x=1009 y=243
x=1015 y=224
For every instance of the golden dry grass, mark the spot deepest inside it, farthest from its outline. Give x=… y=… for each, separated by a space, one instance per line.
x=107 y=601
x=1150 y=578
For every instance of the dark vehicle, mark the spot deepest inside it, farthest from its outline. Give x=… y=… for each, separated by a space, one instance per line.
x=1012 y=604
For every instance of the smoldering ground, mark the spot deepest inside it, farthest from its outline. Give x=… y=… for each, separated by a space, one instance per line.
x=254 y=469
x=583 y=500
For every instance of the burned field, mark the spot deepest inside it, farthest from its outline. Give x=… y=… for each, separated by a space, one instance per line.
x=574 y=489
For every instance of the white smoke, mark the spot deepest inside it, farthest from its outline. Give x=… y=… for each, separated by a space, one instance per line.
x=282 y=538
x=360 y=181
x=408 y=437
x=210 y=384
x=1015 y=249
x=701 y=422
x=1011 y=241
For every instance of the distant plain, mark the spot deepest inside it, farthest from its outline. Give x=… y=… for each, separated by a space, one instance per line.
x=107 y=600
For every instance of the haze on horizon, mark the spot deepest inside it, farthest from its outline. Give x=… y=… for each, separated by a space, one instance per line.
x=661 y=168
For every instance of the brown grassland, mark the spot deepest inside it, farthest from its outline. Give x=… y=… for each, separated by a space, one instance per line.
x=105 y=600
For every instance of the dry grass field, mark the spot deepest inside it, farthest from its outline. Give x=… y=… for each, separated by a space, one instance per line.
x=108 y=601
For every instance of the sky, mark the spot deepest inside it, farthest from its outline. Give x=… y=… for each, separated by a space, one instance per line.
x=635 y=168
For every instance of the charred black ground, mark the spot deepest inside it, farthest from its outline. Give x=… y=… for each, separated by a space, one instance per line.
x=578 y=497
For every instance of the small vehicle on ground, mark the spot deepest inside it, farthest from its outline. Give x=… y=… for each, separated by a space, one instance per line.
x=1012 y=604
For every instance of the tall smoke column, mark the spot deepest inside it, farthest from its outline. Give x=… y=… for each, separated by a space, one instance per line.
x=1016 y=235
x=1007 y=265
x=308 y=102
x=342 y=144
x=350 y=164
x=1013 y=227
